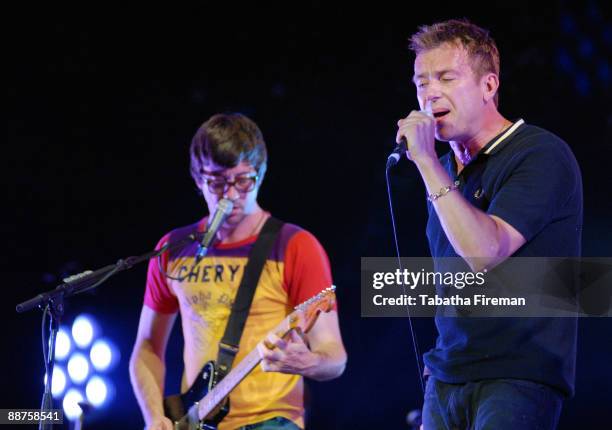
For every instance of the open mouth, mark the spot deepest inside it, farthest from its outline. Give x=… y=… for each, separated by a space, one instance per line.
x=441 y=113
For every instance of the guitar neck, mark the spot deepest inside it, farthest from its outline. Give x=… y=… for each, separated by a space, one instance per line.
x=302 y=318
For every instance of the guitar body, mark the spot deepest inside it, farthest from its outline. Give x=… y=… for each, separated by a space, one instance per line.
x=182 y=409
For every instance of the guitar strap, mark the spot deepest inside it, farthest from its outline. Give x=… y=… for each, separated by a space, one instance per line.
x=228 y=347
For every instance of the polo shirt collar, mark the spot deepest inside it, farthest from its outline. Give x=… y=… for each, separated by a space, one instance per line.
x=490 y=148
x=495 y=144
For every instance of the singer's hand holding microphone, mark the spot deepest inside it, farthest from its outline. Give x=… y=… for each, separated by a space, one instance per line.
x=416 y=133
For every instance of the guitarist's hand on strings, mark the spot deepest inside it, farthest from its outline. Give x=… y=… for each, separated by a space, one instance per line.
x=289 y=355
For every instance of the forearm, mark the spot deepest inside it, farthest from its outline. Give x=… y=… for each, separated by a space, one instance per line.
x=473 y=234
x=147 y=372
x=328 y=362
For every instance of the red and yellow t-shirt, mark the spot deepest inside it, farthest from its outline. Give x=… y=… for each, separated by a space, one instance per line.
x=296 y=269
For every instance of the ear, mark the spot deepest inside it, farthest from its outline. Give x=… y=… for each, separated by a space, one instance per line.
x=489 y=84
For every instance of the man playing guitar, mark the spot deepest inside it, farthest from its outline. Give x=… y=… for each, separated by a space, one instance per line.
x=228 y=161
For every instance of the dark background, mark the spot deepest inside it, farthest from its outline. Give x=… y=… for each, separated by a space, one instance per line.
x=102 y=105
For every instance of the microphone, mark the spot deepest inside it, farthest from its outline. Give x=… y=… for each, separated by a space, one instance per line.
x=224 y=207
x=395 y=156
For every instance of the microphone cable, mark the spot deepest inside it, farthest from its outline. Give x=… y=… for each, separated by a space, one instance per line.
x=415 y=344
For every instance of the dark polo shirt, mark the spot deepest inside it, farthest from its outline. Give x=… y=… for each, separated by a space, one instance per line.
x=528 y=177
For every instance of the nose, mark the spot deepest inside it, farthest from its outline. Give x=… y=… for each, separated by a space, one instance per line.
x=431 y=98
x=430 y=94
x=231 y=193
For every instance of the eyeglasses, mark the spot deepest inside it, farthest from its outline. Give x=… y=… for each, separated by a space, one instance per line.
x=220 y=185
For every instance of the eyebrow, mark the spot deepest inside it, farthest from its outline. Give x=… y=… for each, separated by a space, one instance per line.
x=436 y=73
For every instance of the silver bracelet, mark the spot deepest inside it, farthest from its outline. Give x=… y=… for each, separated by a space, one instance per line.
x=443 y=191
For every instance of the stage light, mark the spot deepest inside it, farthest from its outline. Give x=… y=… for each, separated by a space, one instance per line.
x=101 y=355
x=82 y=331
x=78 y=368
x=96 y=391
x=59 y=381
x=86 y=353
x=71 y=404
x=62 y=344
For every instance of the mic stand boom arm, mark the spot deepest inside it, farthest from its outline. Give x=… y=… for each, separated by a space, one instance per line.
x=87 y=280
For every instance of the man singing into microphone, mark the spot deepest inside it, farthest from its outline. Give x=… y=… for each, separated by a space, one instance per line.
x=506 y=188
x=228 y=161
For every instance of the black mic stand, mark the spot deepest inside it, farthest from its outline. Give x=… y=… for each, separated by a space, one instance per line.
x=55 y=308
x=52 y=303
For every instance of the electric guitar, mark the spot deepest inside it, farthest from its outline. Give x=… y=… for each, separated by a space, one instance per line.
x=206 y=402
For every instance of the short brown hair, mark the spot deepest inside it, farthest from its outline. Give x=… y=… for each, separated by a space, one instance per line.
x=227 y=140
x=480 y=46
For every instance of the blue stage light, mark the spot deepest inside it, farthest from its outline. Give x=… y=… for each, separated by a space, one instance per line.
x=72 y=410
x=59 y=381
x=101 y=354
x=85 y=352
x=78 y=368
x=97 y=391
x=58 y=385
x=62 y=344
x=82 y=331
